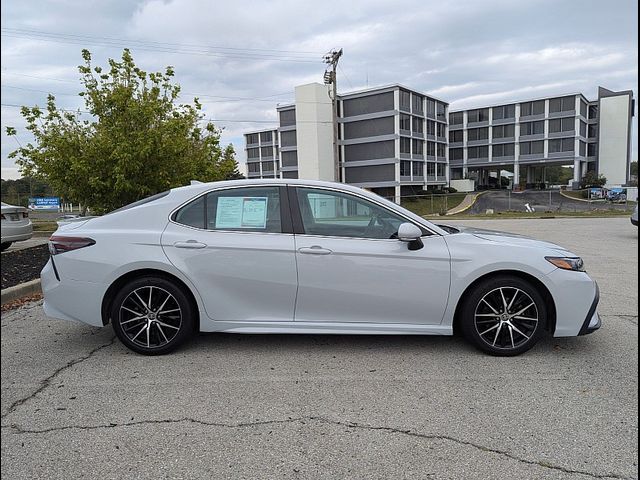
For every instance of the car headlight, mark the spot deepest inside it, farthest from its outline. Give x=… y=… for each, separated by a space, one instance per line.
x=567 y=263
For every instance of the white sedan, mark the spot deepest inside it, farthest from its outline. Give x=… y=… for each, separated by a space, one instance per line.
x=295 y=256
x=16 y=225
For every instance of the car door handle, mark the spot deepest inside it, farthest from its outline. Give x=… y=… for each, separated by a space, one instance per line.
x=190 y=244
x=315 y=250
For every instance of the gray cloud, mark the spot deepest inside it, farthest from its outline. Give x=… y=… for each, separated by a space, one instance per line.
x=467 y=52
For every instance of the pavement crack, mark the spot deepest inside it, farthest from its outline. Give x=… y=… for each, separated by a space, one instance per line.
x=392 y=430
x=47 y=381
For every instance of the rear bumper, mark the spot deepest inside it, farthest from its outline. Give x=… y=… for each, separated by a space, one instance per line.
x=16 y=233
x=71 y=299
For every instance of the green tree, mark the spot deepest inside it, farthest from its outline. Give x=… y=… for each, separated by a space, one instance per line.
x=138 y=140
x=592 y=179
x=634 y=168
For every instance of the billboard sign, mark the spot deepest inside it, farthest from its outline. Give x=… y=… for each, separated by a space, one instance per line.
x=44 y=203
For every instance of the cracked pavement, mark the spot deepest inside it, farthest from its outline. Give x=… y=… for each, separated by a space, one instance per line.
x=77 y=404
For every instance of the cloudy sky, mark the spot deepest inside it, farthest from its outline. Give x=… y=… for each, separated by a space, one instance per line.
x=243 y=58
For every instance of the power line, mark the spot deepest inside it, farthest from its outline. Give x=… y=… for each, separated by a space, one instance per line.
x=123 y=43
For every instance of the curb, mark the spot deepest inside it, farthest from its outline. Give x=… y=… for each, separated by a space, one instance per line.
x=475 y=198
x=574 y=198
x=22 y=290
x=42 y=233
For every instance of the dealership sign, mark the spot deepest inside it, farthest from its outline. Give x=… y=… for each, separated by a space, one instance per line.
x=44 y=203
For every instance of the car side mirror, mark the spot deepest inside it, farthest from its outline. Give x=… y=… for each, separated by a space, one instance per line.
x=410 y=233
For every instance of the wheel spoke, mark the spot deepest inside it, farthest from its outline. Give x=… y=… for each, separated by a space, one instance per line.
x=504 y=301
x=519 y=317
x=520 y=312
x=493 y=315
x=518 y=330
x=141 y=330
x=513 y=299
x=129 y=310
x=150 y=294
x=169 y=311
x=489 y=329
x=161 y=331
x=164 y=303
x=497 y=333
x=166 y=325
x=148 y=332
x=513 y=345
x=491 y=307
x=132 y=320
x=140 y=299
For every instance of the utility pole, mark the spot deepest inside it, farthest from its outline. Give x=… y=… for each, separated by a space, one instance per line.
x=331 y=59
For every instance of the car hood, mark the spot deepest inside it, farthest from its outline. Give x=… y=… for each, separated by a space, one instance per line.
x=512 y=239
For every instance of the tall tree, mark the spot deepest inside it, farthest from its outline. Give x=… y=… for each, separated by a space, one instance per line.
x=134 y=139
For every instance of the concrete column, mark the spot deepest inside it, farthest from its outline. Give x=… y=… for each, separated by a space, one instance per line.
x=397 y=194
x=530 y=174
x=577 y=170
x=516 y=176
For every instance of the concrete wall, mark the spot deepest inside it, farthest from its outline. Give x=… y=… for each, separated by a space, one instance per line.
x=463 y=185
x=314 y=131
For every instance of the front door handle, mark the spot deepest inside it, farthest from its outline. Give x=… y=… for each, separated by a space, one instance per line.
x=315 y=250
x=190 y=244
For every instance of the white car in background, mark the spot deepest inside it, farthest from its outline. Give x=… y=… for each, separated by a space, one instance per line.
x=16 y=225
x=295 y=256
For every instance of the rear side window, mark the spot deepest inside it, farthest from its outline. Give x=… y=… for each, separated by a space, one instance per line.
x=254 y=209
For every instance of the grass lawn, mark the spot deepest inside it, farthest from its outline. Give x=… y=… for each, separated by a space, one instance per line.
x=433 y=204
x=502 y=215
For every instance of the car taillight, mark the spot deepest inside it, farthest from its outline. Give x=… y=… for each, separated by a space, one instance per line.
x=59 y=244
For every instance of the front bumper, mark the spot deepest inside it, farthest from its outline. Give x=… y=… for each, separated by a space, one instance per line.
x=592 y=322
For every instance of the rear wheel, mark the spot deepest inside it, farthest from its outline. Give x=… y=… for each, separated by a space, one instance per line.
x=5 y=245
x=504 y=316
x=152 y=315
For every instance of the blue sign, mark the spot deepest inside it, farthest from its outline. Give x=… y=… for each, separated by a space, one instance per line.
x=44 y=203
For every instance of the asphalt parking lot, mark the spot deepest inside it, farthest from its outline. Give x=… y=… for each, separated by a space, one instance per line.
x=77 y=404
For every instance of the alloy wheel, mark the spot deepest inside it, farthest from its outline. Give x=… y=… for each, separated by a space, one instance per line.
x=506 y=318
x=150 y=317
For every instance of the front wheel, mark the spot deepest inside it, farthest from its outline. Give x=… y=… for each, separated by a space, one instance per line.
x=152 y=315
x=504 y=316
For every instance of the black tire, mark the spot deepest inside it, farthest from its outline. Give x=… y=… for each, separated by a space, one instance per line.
x=158 y=330
x=4 y=246
x=483 y=313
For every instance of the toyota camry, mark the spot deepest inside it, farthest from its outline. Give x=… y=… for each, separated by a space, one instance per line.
x=296 y=256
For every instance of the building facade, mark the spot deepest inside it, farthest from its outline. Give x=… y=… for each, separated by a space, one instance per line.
x=527 y=136
x=396 y=141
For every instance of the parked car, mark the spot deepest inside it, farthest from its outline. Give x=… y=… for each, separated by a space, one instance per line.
x=15 y=225
x=295 y=256
x=616 y=195
x=634 y=216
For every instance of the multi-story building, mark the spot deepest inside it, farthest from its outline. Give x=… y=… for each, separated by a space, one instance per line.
x=392 y=140
x=395 y=141
x=524 y=137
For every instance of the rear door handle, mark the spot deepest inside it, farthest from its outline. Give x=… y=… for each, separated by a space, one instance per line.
x=190 y=244
x=315 y=250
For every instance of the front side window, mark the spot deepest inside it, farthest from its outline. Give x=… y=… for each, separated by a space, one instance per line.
x=337 y=214
x=253 y=209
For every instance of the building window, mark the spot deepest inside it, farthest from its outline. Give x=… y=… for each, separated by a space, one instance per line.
x=456 y=154
x=532 y=148
x=417 y=104
x=431 y=149
x=583 y=148
x=583 y=108
x=266 y=137
x=266 y=152
x=405 y=122
x=561 y=145
x=504 y=131
x=431 y=127
x=431 y=108
x=431 y=169
x=288 y=139
x=503 y=150
x=478 y=134
x=568 y=144
x=532 y=128
x=252 y=138
x=561 y=125
x=418 y=169
x=478 y=152
x=405 y=100
x=591 y=150
x=505 y=111
x=532 y=108
x=405 y=168
x=480 y=115
x=418 y=146
x=564 y=104
x=440 y=167
x=418 y=125
x=440 y=150
x=592 y=130
x=405 y=145
x=583 y=129
x=593 y=112
x=456 y=118
x=267 y=166
x=253 y=167
x=440 y=112
x=287 y=118
x=440 y=129
x=456 y=136
x=253 y=153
